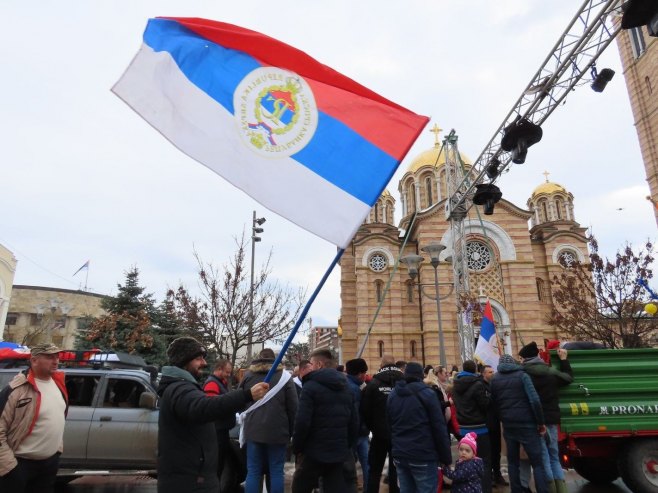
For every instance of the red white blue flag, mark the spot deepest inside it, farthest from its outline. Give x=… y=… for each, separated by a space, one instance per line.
x=83 y=266
x=302 y=139
x=486 y=350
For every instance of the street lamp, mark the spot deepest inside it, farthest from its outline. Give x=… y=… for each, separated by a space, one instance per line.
x=255 y=231
x=413 y=262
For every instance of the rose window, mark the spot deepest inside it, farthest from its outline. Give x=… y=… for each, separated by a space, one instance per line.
x=567 y=258
x=478 y=255
x=378 y=262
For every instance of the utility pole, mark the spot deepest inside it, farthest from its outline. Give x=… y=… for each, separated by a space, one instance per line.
x=255 y=231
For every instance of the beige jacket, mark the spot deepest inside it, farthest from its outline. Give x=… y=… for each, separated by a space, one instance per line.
x=19 y=410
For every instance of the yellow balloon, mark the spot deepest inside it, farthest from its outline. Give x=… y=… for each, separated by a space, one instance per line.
x=650 y=308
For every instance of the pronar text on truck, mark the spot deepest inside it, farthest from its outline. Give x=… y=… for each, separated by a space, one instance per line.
x=609 y=417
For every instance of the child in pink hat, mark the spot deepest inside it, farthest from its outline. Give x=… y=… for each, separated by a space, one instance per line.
x=467 y=475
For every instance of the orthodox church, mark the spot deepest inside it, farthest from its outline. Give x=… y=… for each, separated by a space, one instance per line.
x=511 y=257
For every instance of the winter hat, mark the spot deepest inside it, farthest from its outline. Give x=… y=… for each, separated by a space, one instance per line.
x=183 y=350
x=471 y=440
x=414 y=370
x=506 y=359
x=356 y=366
x=46 y=348
x=529 y=350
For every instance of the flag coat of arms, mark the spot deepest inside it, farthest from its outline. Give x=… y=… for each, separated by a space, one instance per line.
x=486 y=350
x=305 y=141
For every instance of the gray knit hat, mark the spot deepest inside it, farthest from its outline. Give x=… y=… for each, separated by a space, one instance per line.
x=183 y=350
x=506 y=359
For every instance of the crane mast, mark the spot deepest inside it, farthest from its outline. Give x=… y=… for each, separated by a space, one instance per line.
x=572 y=58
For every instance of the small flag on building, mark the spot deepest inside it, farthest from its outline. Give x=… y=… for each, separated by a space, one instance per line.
x=486 y=351
x=305 y=141
x=84 y=266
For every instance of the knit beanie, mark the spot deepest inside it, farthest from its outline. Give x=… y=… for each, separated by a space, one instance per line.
x=506 y=359
x=183 y=350
x=414 y=370
x=529 y=350
x=356 y=366
x=471 y=440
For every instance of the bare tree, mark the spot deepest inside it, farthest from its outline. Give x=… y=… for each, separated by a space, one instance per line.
x=220 y=314
x=602 y=301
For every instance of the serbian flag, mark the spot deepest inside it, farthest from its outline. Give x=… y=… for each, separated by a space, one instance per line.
x=486 y=350
x=84 y=266
x=300 y=138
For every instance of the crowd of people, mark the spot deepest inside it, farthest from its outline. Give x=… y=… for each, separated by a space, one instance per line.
x=328 y=417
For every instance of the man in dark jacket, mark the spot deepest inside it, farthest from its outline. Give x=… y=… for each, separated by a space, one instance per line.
x=187 y=444
x=267 y=429
x=356 y=374
x=516 y=401
x=373 y=410
x=419 y=435
x=471 y=396
x=326 y=427
x=547 y=381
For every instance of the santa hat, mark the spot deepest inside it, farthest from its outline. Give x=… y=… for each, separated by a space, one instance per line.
x=471 y=440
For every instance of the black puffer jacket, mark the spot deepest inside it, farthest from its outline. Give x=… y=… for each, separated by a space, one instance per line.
x=471 y=396
x=374 y=398
x=327 y=423
x=514 y=398
x=272 y=422
x=187 y=444
x=547 y=381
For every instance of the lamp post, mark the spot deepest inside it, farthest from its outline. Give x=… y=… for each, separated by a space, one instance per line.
x=413 y=262
x=255 y=231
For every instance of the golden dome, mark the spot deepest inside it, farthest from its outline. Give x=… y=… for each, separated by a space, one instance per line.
x=386 y=193
x=432 y=157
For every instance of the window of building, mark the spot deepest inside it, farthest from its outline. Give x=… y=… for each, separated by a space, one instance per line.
x=558 y=208
x=541 y=293
x=428 y=190
x=544 y=210
x=638 y=46
x=478 y=255
x=413 y=349
x=376 y=212
x=11 y=319
x=410 y=291
x=379 y=290
x=567 y=258
x=411 y=198
x=81 y=389
x=380 y=348
x=378 y=262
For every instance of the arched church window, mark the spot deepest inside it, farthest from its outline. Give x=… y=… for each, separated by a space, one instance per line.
x=410 y=291
x=378 y=262
x=379 y=290
x=413 y=349
x=558 y=208
x=478 y=255
x=376 y=212
x=428 y=190
x=567 y=258
x=411 y=198
x=380 y=348
x=544 y=210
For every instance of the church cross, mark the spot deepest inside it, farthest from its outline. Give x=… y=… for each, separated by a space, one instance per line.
x=546 y=173
x=436 y=130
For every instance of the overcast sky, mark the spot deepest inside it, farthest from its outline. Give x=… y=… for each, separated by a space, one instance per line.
x=83 y=177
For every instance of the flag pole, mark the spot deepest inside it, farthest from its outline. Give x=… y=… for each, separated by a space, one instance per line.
x=301 y=318
x=86 y=275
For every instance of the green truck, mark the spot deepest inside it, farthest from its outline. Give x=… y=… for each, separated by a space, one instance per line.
x=609 y=417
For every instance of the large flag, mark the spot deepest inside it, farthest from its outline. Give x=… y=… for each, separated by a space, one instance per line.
x=302 y=139
x=486 y=350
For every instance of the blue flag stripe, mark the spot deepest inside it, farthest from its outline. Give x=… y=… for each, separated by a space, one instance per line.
x=336 y=152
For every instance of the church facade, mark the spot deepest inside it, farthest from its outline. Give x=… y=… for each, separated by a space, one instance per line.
x=511 y=256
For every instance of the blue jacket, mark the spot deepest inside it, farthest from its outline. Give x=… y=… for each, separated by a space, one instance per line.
x=326 y=425
x=418 y=428
x=514 y=398
x=467 y=476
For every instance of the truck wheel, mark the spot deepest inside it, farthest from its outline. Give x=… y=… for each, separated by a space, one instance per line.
x=638 y=462
x=595 y=470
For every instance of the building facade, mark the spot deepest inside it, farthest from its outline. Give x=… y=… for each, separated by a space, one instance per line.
x=7 y=271
x=512 y=256
x=639 y=57
x=325 y=337
x=39 y=314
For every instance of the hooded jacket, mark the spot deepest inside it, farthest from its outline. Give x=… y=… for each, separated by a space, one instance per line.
x=547 y=381
x=326 y=426
x=514 y=398
x=20 y=403
x=417 y=426
x=273 y=422
x=373 y=400
x=187 y=443
x=471 y=396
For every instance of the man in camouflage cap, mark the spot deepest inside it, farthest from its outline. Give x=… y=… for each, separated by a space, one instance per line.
x=32 y=414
